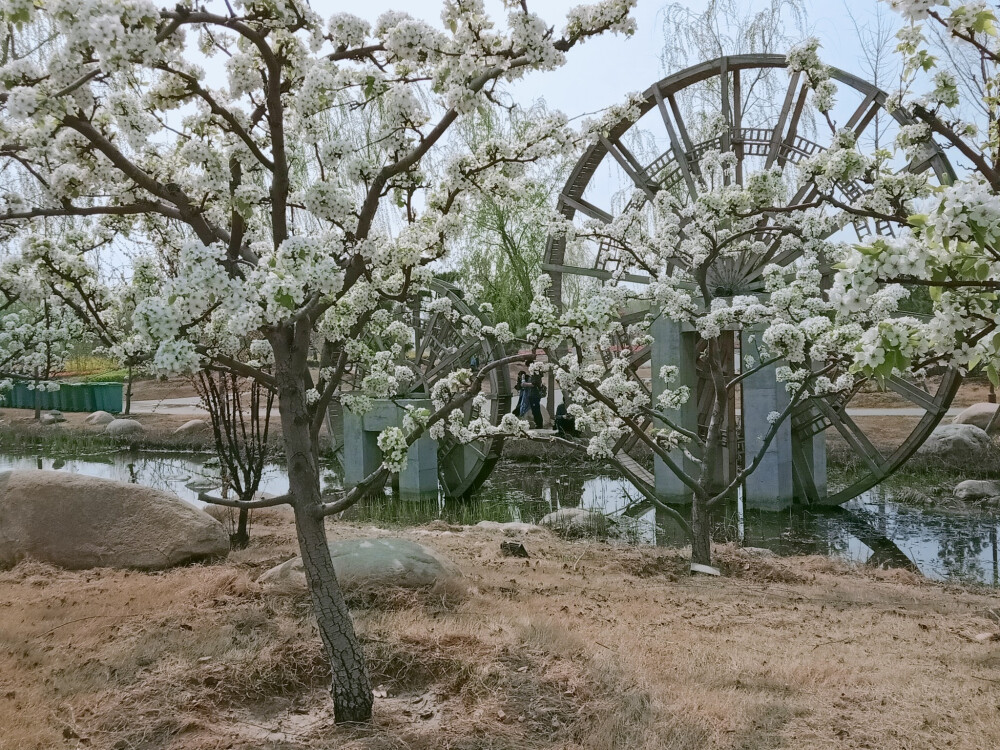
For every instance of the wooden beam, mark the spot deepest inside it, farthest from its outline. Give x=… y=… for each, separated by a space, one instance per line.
x=679 y=151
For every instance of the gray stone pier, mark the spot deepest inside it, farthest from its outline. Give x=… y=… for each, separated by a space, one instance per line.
x=770 y=487
x=419 y=479
x=675 y=346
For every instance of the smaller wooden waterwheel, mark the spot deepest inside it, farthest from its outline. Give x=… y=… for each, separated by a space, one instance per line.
x=439 y=347
x=733 y=116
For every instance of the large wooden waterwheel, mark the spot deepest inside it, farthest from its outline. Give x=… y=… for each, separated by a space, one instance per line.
x=441 y=345
x=761 y=135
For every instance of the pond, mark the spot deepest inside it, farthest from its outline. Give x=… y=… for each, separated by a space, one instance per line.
x=872 y=528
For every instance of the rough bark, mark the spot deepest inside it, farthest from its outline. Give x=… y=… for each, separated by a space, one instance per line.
x=241 y=539
x=701 y=532
x=351 y=689
x=128 y=392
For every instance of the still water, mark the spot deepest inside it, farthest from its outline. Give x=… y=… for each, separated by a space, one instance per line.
x=872 y=528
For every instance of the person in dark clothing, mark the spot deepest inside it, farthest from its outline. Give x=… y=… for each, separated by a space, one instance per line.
x=535 y=392
x=565 y=423
x=521 y=405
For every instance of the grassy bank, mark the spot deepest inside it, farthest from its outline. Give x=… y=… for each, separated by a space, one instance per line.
x=582 y=646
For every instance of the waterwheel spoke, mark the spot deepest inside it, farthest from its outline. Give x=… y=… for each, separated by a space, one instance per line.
x=630 y=166
x=587 y=208
x=913 y=394
x=789 y=141
x=738 y=125
x=864 y=114
x=679 y=150
x=779 y=127
x=854 y=436
x=423 y=338
x=803 y=473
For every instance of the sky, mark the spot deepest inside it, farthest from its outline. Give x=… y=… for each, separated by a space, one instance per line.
x=603 y=71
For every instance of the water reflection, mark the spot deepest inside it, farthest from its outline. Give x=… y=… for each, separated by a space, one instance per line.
x=870 y=529
x=183 y=474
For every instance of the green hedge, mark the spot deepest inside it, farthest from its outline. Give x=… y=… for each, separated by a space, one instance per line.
x=112 y=376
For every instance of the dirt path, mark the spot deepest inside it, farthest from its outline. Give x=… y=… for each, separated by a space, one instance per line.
x=581 y=646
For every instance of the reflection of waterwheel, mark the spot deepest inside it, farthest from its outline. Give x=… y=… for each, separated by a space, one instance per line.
x=440 y=346
x=761 y=137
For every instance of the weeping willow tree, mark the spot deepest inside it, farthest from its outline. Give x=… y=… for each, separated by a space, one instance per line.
x=501 y=249
x=730 y=27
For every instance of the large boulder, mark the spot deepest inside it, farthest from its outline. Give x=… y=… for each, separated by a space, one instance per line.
x=978 y=415
x=124 y=427
x=976 y=489
x=374 y=562
x=955 y=442
x=99 y=417
x=76 y=521
x=192 y=427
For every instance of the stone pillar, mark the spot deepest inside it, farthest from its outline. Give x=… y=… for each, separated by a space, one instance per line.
x=770 y=487
x=672 y=345
x=361 y=453
x=419 y=479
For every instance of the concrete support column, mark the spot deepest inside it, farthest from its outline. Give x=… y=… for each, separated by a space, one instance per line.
x=770 y=487
x=419 y=479
x=361 y=453
x=674 y=346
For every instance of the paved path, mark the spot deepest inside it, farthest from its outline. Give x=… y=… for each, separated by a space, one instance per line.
x=898 y=412
x=189 y=405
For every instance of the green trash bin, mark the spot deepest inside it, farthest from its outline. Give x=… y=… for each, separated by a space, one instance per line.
x=73 y=397
x=88 y=401
x=109 y=397
x=21 y=397
x=98 y=396
x=49 y=399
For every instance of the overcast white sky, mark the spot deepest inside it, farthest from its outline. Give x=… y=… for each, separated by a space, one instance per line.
x=604 y=70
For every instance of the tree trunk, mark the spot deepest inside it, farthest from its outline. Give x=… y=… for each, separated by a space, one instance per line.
x=38 y=398
x=351 y=689
x=241 y=538
x=128 y=393
x=701 y=532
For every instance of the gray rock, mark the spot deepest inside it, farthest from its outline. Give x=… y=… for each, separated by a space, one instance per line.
x=99 y=417
x=510 y=527
x=76 y=522
x=56 y=415
x=50 y=419
x=955 y=442
x=374 y=562
x=121 y=427
x=576 y=522
x=978 y=415
x=976 y=489
x=192 y=426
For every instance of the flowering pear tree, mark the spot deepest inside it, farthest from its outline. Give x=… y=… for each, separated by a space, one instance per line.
x=682 y=246
x=37 y=334
x=950 y=237
x=284 y=196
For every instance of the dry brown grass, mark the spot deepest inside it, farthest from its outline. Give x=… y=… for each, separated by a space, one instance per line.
x=582 y=646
